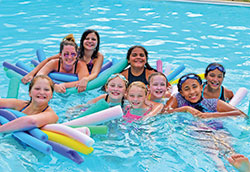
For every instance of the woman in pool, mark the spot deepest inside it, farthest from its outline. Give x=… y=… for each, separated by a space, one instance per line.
x=213 y=88
x=158 y=88
x=189 y=99
x=37 y=109
x=115 y=87
x=139 y=69
x=139 y=107
x=67 y=63
x=88 y=53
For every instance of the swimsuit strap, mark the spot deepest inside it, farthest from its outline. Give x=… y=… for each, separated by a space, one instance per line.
x=45 y=108
x=25 y=106
x=203 y=88
x=59 y=65
x=106 y=98
x=222 y=97
x=75 y=66
x=147 y=111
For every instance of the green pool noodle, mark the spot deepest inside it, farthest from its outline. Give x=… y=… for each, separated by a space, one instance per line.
x=98 y=106
x=100 y=129
x=103 y=77
x=14 y=83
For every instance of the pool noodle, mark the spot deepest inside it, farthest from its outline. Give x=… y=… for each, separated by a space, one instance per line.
x=34 y=131
x=7 y=114
x=239 y=95
x=100 y=129
x=70 y=132
x=29 y=140
x=23 y=66
x=106 y=66
x=13 y=88
x=15 y=68
x=159 y=65
x=98 y=117
x=40 y=55
x=66 y=151
x=34 y=62
x=64 y=77
x=84 y=130
x=167 y=70
x=96 y=107
x=176 y=72
x=69 y=142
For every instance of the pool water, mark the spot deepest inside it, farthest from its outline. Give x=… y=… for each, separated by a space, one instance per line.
x=178 y=33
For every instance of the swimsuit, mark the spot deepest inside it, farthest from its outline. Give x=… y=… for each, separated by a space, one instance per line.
x=29 y=104
x=221 y=97
x=114 y=104
x=131 y=117
x=90 y=66
x=132 y=78
x=203 y=105
x=59 y=65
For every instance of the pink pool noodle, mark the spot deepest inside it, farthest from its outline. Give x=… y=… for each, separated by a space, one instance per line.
x=98 y=117
x=70 y=132
x=159 y=65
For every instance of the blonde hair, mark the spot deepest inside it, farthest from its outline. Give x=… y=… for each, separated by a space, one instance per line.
x=68 y=40
x=138 y=84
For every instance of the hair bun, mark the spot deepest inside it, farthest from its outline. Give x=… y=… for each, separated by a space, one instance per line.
x=69 y=37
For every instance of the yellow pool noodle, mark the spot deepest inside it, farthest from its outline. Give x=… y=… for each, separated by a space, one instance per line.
x=69 y=142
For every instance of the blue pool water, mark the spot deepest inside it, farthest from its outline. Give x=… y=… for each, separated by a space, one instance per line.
x=177 y=33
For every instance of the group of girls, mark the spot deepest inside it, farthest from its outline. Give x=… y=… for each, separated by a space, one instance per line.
x=139 y=89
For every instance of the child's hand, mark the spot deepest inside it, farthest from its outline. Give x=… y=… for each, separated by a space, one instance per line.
x=27 y=78
x=60 y=88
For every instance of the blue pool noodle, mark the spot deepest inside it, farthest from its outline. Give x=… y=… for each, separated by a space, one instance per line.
x=15 y=68
x=23 y=66
x=29 y=140
x=106 y=66
x=66 y=151
x=35 y=131
x=40 y=55
x=34 y=62
x=176 y=72
x=7 y=114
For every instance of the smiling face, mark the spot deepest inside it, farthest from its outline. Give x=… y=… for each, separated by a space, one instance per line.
x=157 y=87
x=41 y=91
x=90 y=42
x=68 y=55
x=136 y=97
x=137 y=58
x=116 y=89
x=191 y=90
x=214 y=79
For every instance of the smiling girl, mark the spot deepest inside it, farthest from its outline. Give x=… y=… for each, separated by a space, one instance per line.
x=37 y=109
x=139 y=69
x=189 y=99
x=213 y=88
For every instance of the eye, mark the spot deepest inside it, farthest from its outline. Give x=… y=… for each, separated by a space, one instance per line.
x=93 y=39
x=186 y=89
x=37 y=88
x=163 y=84
x=155 y=84
x=112 y=85
x=142 y=55
x=195 y=86
x=220 y=76
x=47 y=89
x=212 y=75
x=134 y=54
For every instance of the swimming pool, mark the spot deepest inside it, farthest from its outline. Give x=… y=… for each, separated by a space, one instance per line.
x=176 y=32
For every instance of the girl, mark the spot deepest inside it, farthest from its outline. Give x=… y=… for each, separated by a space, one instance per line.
x=67 y=63
x=37 y=109
x=158 y=87
x=139 y=69
x=213 y=88
x=189 y=99
x=115 y=87
x=138 y=108
x=88 y=53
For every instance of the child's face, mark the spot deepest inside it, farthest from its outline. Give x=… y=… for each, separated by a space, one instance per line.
x=214 y=78
x=41 y=91
x=137 y=58
x=90 y=42
x=136 y=97
x=191 y=90
x=157 y=87
x=69 y=54
x=116 y=88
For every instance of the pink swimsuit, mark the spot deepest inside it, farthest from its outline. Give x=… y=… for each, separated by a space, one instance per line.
x=131 y=117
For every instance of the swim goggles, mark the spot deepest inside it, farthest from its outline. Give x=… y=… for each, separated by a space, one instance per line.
x=213 y=67
x=188 y=76
x=118 y=75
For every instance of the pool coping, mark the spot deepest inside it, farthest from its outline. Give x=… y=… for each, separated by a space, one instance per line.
x=217 y=2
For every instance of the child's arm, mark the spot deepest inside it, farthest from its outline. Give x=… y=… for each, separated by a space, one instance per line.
x=240 y=162
x=27 y=78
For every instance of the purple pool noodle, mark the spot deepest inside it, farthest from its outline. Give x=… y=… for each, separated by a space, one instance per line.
x=66 y=151
x=15 y=68
x=35 y=62
x=106 y=66
x=7 y=114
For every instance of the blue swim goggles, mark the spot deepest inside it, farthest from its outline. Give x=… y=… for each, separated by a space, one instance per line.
x=213 y=67
x=188 y=76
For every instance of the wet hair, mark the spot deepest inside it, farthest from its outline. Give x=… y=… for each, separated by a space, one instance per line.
x=113 y=76
x=33 y=81
x=213 y=66
x=155 y=74
x=186 y=77
x=68 y=40
x=138 y=84
x=84 y=35
x=146 y=54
